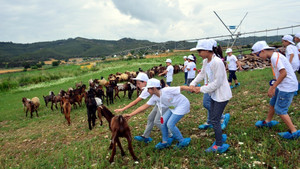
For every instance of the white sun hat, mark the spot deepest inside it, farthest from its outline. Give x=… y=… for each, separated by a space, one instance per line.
x=141 y=77
x=297 y=35
x=184 y=57
x=153 y=83
x=169 y=60
x=259 y=46
x=228 y=50
x=288 y=38
x=203 y=45
x=190 y=57
x=215 y=44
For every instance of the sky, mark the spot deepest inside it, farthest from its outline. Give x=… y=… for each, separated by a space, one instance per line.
x=29 y=21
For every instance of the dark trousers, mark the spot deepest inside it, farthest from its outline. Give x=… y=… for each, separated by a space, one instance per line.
x=185 y=77
x=169 y=83
x=216 y=111
x=231 y=76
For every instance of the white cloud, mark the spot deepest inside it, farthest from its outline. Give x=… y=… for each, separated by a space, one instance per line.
x=155 y=20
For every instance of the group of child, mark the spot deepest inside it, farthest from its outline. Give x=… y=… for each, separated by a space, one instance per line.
x=170 y=105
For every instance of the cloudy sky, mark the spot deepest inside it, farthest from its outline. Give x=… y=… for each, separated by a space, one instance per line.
x=28 y=21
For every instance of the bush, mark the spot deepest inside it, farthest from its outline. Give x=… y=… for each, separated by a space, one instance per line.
x=55 y=63
x=34 y=67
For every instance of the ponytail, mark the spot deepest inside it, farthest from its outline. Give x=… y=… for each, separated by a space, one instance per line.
x=218 y=51
x=163 y=83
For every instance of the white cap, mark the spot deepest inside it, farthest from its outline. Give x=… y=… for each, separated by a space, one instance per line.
x=191 y=57
x=259 y=46
x=141 y=77
x=169 y=60
x=297 y=35
x=184 y=57
x=214 y=43
x=228 y=50
x=288 y=38
x=203 y=45
x=153 y=83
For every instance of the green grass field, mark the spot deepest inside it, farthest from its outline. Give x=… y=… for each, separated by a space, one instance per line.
x=48 y=142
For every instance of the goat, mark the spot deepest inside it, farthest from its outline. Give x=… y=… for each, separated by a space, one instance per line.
x=92 y=104
x=125 y=87
x=48 y=98
x=119 y=128
x=67 y=108
x=110 y=94
x=31 y=105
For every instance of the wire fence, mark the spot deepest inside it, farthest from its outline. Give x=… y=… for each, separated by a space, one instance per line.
x=237 y=40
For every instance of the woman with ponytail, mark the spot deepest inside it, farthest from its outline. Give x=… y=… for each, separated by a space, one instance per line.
x=167 y=97
x=213 y=71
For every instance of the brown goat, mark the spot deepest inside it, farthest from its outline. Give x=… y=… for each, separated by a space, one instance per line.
x=119 y=128
x=31 y=105
x=67 y=108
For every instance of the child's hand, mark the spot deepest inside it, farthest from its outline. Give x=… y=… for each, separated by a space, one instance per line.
x=271 y=91
x=197 y=90
x=119 y=110
x=127 y=116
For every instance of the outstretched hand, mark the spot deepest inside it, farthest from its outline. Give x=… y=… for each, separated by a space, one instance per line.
x=127 y=116
x=196 y=90
x=118 y=110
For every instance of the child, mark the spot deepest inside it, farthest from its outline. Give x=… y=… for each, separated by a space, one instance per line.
x=153 y=117
x=281 y=89
x=291 y=51
x=206 y=97
x=185 y=69
x=297 y=40
x=231 y=65
x=191 y=68
x=218 y=88
x=166 y=97
x=168 y=72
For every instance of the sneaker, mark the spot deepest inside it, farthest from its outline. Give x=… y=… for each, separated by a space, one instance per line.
x=236 y=85
x=224 y=138
x=199 y=85
x=289 y=135
x=262 y=123
x=170 y=140
x=161 y=146
x=184 y=143
x=231 y=87
x=215 y=149
x=205 y=126
x=143 y=139
x=225 y=122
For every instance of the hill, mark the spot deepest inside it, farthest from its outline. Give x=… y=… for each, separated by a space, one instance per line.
x=14 y=55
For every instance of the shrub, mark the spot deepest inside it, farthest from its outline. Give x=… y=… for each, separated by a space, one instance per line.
x=55 y=63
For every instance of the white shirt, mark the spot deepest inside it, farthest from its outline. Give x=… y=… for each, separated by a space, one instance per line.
x=291 y=49
x=289 y=83
x=298 y=46
x=144 y=95
x=231 y=61
x=217 y=85
x=191 y=73
x=185 y=64
x=170 y=70
x=171 y=97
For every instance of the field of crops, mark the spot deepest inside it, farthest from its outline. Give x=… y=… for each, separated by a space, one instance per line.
x=48 y=142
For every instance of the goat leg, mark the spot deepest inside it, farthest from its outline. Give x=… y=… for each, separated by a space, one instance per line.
x=36 y=113
x=100 y=116
x=120 y=146
x=130 y=148
x=113 y=146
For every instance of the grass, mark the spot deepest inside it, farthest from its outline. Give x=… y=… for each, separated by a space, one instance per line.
x=48 y=142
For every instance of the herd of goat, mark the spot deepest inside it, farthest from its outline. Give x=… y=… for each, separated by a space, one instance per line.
x=94 y=98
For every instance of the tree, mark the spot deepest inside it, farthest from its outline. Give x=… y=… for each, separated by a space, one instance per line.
x=55 y=63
